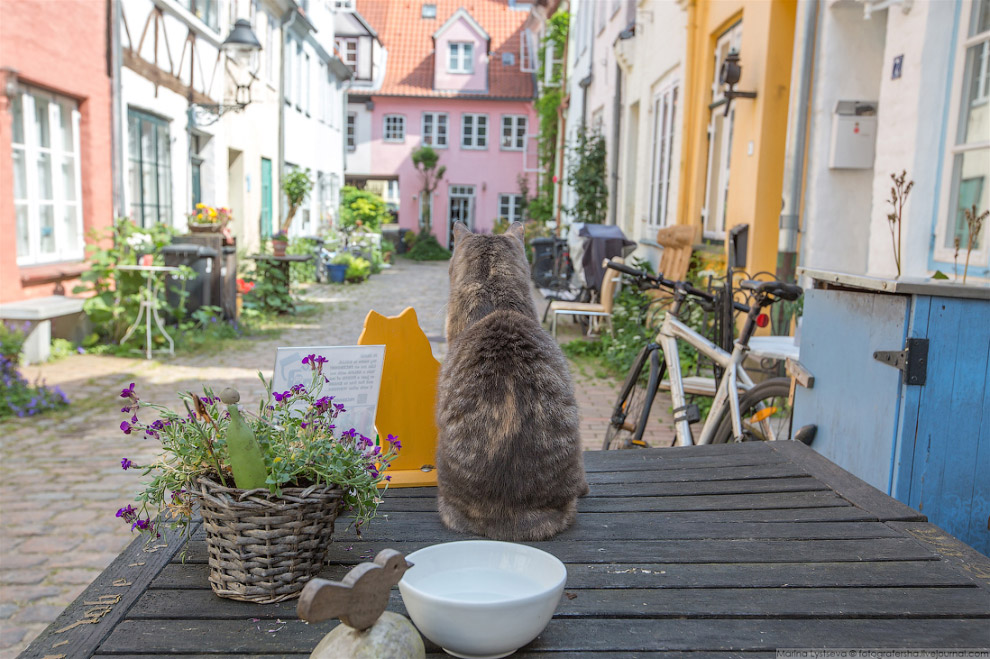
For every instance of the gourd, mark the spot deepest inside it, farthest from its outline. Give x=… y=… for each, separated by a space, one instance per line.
x=243 y=451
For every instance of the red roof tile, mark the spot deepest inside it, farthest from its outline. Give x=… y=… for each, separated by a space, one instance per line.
x=409 y=40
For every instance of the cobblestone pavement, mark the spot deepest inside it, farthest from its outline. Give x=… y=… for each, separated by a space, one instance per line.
x=60 y=475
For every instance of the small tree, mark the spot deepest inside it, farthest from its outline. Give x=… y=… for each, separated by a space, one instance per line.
x=586 y=174
x=296 y=185
x=425 y=159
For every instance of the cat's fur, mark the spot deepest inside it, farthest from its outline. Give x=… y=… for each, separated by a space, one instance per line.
x=509 y=463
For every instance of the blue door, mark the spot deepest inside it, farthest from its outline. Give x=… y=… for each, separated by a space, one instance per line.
x=266 y=198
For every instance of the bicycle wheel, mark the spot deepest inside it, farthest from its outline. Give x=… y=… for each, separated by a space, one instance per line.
x=632 y=409
x=765 y=413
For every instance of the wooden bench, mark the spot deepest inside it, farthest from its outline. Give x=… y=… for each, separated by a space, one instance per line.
x=40 y=312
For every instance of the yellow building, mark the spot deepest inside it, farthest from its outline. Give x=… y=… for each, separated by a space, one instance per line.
x=733 y=164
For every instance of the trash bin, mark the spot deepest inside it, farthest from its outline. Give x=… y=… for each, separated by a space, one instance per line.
x=542 y=269
x=199 y=287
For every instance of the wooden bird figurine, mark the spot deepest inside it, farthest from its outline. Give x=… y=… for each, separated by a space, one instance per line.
x=360 y=598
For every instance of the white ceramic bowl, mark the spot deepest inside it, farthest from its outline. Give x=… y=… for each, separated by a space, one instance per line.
x=482 y=599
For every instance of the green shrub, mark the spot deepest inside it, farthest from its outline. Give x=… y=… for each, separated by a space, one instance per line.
x=12 y=339
x=302 y=272
x=358 y=270
x=426 y=248
x=362 y=209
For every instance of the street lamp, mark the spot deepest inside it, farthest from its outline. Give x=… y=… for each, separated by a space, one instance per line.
x=241 y=45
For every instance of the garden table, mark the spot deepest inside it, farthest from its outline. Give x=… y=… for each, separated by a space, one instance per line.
x=722 y=549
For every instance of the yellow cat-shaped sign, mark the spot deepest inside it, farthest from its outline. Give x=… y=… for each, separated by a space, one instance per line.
x=408 y=397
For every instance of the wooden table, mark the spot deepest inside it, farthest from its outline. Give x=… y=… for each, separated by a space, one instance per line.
x=720 y=549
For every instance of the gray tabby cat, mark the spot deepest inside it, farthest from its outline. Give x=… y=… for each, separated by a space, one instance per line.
x=509 y=461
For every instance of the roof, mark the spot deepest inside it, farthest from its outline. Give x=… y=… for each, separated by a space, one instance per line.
x=409 y=40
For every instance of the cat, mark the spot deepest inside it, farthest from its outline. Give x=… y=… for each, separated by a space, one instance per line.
x=509 y=463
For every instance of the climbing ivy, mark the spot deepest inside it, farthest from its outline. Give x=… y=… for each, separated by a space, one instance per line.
x=586 y=174
x=547 y=106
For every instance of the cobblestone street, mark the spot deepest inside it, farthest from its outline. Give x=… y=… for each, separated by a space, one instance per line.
x=61 y=476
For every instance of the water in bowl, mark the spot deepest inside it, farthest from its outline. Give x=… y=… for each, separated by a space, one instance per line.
x=478 y=585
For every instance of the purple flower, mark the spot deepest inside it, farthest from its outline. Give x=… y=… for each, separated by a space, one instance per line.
x=126 y=427
x=158 y=425
x=339 y=407
x=128 y=392
x=127 y=513
x=388 y=477
x=349 y=434
x=394 y=441
x=143 y=525
x=308 y=358
x=134 y=418
x=126 y=464
x=303 y=425
x=80 y=350
x=298 y=388
x=125 y=409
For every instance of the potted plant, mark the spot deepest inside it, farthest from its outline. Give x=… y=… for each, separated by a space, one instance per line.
x=279 y=242
x=268 y=485
x=337 y=268
x=207 y=219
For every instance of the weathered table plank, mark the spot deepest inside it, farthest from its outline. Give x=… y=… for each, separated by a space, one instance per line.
x=686 y=553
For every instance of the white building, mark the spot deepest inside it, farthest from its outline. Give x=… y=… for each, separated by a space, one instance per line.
x=315 y=97
x=184 y=135
x=918 y=75
x=651 y=56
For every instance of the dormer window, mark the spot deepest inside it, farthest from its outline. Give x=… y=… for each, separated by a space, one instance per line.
x=460 y=57
x=429 y=11
x=348 y=52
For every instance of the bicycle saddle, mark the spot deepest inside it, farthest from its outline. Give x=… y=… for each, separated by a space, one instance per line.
x=775 y=288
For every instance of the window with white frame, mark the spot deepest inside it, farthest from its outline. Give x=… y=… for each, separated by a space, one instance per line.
x=149 y=168
x=269 y=49
x=460 y=57
x=968 y=157
x=207 y=11
x=527 y=51
x=662 y=154
x=474 y=131
x=435 y=129
x=513 y=132
x=428 y=10
x=47 y=190
x=351 y=131
x=307 y=84
x=510 y=207
x=348 y=52
x=395 y=128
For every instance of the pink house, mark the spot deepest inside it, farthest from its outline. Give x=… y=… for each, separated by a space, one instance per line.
x=461 y=81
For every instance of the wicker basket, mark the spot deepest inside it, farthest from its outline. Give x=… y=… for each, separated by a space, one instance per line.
x=265 y=548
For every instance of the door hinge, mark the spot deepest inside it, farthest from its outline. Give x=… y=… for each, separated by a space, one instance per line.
x=913 y=360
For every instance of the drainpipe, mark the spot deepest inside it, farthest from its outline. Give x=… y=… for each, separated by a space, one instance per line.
x=277 y=193
x=790 y=217
x=616 y=123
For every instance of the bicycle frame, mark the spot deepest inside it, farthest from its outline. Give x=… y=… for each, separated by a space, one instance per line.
x=734 y=377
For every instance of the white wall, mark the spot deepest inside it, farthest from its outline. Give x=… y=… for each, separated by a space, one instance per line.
x=359 y=160
x=838 y=202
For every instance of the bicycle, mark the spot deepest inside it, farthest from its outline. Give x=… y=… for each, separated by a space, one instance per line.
x=761 y=412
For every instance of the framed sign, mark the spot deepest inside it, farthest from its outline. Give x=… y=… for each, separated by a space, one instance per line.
x=355 y=379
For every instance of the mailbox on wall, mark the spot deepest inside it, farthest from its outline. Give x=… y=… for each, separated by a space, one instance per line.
x=854 y=135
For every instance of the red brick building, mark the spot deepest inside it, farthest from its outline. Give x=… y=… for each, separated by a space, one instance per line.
x=55 y=141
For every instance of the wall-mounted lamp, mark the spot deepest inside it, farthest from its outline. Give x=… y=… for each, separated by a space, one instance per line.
x=729 y=76
x=9 y=76
x=240 y=46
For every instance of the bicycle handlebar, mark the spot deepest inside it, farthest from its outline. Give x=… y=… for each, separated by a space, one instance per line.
x=666 y=283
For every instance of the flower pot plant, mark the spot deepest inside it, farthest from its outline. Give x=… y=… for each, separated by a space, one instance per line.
x=269 y=485
x=337 y=268
x=207 y=219
x=279 y=242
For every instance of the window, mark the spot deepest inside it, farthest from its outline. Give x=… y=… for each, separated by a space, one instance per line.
x=719 y=143
x=435 y=129
x=510 y=207
x=664 y=117
x=351 y=131
x=47 y=190
x=968 y=157
x=460 y=58
x=527 y=51
x=348 y=52
x=307 y=84
x=269 y=49
x=346 y=5
x=207 y=11
x=149 y=168
x=429 y=11
x=513 y=132
x=395 y=128
x=474 y=131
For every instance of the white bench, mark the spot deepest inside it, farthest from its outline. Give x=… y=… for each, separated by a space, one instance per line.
x=40 y=311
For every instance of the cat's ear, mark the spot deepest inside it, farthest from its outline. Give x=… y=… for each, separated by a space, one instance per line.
x=518 y=230
x=460 y=230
